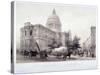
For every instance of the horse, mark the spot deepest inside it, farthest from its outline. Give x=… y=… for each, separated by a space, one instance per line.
x=43 y=54
x=67 y=54
x=25 y=53
x=33 y=53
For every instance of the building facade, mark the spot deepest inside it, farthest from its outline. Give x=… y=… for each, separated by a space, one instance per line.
x=31 y=35
x=93 y=41
x=89 y=46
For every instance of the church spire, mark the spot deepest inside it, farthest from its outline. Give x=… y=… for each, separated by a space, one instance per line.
x=54 y=12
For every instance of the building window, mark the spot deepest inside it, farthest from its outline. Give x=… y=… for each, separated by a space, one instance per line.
x=50 y=25
x=30 y=32
x=25 y=32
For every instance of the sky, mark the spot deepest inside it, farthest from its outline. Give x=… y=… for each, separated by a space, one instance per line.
x=76 y=18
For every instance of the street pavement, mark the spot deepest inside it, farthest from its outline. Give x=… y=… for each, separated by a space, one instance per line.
x=50 y=58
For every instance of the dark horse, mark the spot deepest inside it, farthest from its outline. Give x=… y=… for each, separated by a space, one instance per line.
x=43 y=54
x=33 y=53
x=26 y=53
x=67 y=54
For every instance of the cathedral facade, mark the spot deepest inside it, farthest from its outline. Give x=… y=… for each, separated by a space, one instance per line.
x=31 y=35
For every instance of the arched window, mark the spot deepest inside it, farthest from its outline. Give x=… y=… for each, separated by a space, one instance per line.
x=30 y=32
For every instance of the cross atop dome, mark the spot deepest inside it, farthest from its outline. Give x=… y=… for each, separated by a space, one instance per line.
x=54 y=12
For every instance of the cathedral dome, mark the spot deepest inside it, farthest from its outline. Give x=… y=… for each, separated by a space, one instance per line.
x=53 y=22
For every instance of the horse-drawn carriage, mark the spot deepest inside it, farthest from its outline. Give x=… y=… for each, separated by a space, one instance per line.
x=58 y=52
x=36 y=52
